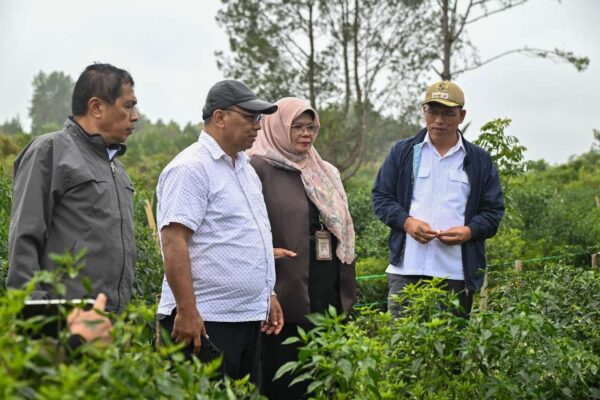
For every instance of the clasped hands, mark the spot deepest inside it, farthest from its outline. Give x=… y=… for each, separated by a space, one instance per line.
x=422 y=232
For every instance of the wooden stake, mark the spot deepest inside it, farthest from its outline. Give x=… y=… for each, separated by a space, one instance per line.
x=595 y=260
x=597 y=201
x=157 y=339
x=518 y=265
x=151 y=222
x=483 y=295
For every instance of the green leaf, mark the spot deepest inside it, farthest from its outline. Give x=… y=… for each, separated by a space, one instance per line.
x=289 y=366
x=347 y=369
x=87 y=285
x=439 y=346
x=301 y=378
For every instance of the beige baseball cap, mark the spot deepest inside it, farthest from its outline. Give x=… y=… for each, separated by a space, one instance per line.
x=445 y=93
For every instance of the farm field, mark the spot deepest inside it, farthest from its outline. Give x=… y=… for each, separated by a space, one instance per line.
x=533 y=335
x=350 y=79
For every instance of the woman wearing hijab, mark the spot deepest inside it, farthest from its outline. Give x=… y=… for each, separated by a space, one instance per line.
x=313 y=234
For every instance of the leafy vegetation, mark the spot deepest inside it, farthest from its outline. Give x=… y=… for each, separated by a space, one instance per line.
x=536 y=338
x=514 y=350
x=130 y=367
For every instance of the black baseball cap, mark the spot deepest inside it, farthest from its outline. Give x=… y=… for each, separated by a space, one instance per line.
x=229 y=93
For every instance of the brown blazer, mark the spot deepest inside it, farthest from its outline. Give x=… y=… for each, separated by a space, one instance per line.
x=287 y=206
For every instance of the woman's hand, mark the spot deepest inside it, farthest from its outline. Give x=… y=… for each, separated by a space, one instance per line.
x=281 y=253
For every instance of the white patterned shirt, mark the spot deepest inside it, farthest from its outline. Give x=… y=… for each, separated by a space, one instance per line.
x=439 y=198
x=231 y=248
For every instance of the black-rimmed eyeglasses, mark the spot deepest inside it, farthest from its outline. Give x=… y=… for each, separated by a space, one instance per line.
x=444 y=113
x=253 y=118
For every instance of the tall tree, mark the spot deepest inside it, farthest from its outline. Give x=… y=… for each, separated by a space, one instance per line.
x=51 y=101
x=351 y=59
x=454 y=16
x=12 y=126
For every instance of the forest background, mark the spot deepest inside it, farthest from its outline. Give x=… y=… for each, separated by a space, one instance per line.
x=366 y=76
x=364 y=66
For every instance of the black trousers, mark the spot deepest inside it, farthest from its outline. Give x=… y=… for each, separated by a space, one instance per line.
x=239 y=343
x=274 y=355
x=397 y=282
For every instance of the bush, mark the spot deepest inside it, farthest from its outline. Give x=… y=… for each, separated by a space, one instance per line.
x=514 y=352
x=371 y=234
x=149 y=266
x=371 y=288
x=128 y=368
x=567 y=296
x=5 y=210
x=506 y=245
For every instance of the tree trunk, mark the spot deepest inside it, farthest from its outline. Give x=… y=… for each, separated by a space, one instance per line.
x=345 y=40
x=447 y=38
x=355 y=158
x=311 y=59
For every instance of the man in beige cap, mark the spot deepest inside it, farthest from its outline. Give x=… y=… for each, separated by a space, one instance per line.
x=441 y=197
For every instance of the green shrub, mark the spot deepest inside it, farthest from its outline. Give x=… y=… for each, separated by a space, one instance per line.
x=371 y=234
x=149 y=266
x=129 y=368
x=371 y=287
x=514 y=352
x=569 y=297
x=508 y=244
x=5 y=210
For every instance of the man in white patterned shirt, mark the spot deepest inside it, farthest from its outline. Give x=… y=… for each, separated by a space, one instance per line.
x=216 y=237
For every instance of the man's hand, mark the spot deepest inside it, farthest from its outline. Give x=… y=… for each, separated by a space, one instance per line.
x=188 y=327
x=280 y=253
x=455 y=235
x=91 y=325
x=274 y=324
x=419 y=230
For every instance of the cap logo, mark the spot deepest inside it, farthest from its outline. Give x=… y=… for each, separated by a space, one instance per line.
x=439 y=95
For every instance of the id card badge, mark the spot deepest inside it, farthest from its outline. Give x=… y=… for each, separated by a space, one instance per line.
x=323 y=245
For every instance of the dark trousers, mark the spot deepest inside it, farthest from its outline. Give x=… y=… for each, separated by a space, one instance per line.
x=239 y=342
x=397 y=283
x=274 y=355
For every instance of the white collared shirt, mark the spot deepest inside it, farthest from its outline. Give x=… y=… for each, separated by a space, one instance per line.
x=440 y=193
x=231 y=248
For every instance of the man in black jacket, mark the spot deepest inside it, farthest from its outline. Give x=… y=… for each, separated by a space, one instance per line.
x=444 y=192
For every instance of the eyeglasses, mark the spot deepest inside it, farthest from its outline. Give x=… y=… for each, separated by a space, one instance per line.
x=311 y=129
x=437 y=112
x=253 y=118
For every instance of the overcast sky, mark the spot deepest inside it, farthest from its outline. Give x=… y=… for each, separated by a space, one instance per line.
x=169 y=46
